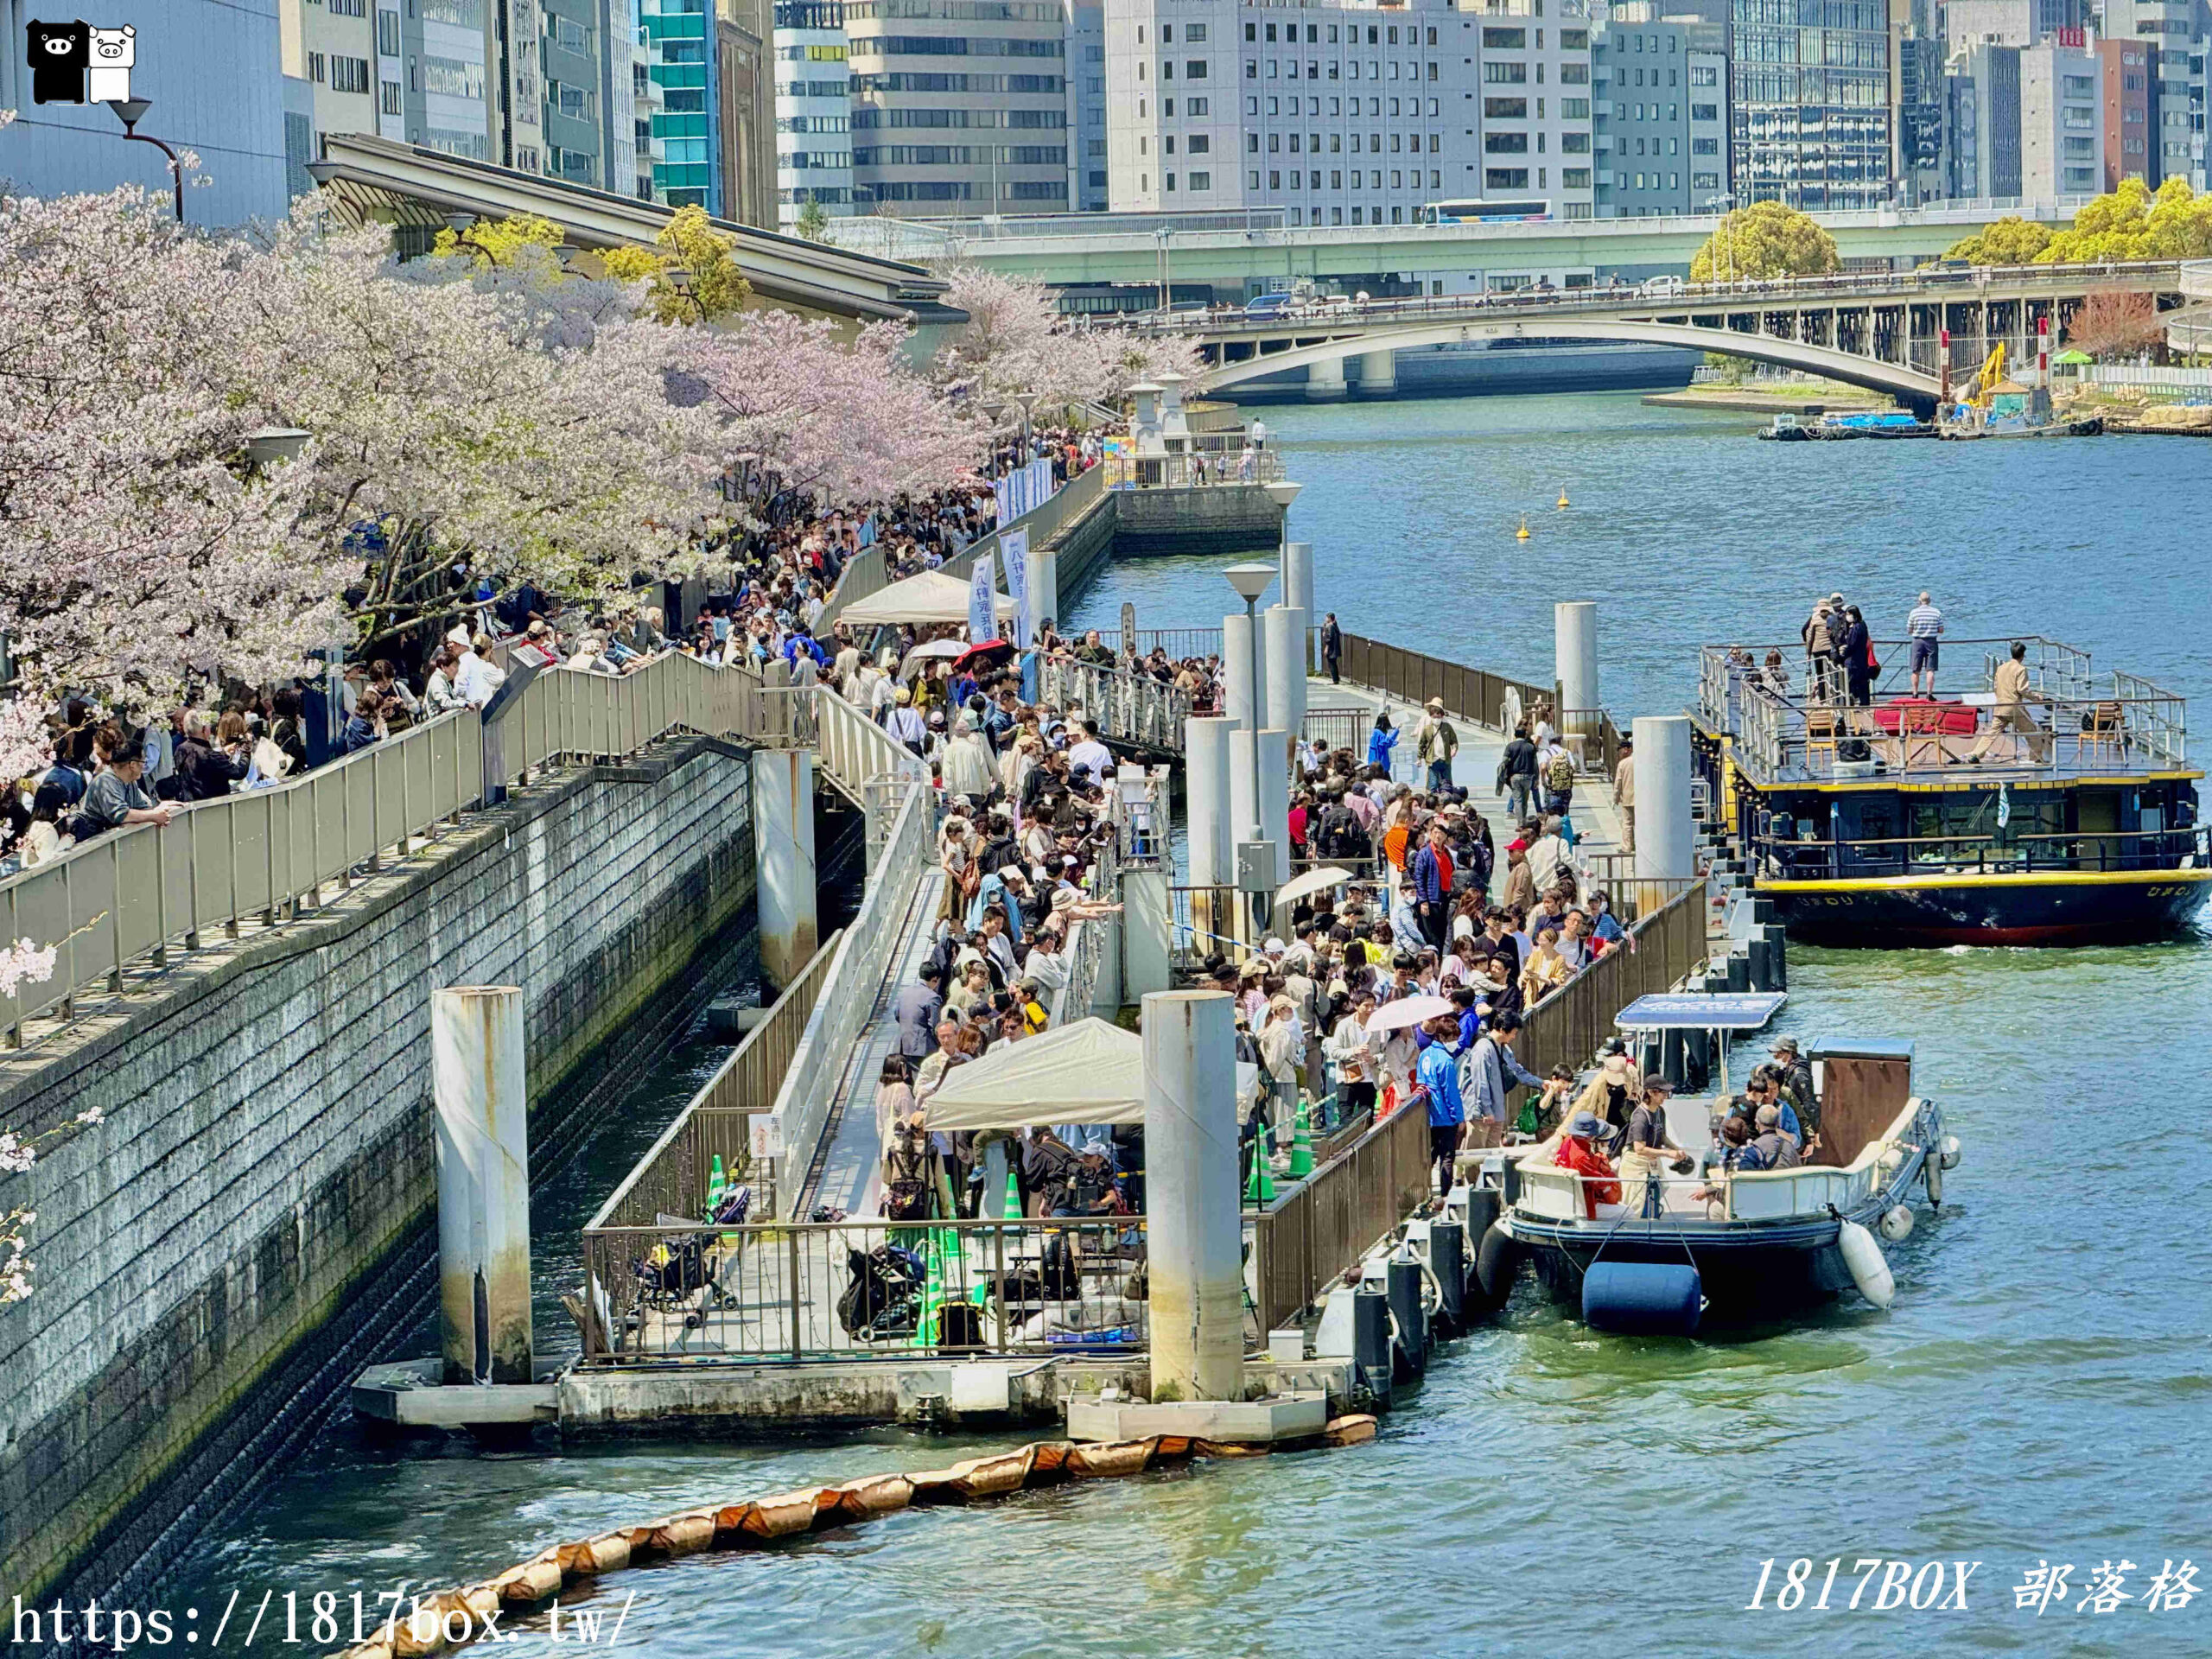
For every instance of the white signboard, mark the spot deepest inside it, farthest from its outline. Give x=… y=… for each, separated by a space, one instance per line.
x=1014 y=548
x=982 y=588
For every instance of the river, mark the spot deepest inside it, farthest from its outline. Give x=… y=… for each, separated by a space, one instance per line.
x=2042 y=1391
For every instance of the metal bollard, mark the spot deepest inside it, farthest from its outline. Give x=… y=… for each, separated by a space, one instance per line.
x=1413 y=1324
x=1778 y=938
x=1739 y=971
x=1760 y=954
x=1670 y=1056
x=1370 y=1342
x=1447 y=1259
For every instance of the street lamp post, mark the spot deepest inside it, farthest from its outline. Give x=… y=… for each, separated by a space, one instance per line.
x=130 y=111
x=1282 y=493
x=1027 y=400
x=1251 y=581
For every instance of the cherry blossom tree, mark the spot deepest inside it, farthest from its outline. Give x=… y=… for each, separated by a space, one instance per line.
x=1016 y=339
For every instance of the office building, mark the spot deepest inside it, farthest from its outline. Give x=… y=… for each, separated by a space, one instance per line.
x=744 y=109
x=2174 y=33
x=1349 y=113
x=331 y=45
x=2012 y=22
x=647 y=101
x=680 y=53
x=814 y=109
x=2129 y=98
x=959 y=106
x=1086 y=70
x=1661 y=89
x=1982 y=107
x=214 y=70
x=1814 y=118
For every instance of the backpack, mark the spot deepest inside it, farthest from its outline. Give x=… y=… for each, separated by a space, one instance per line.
x=1341 y=835
x=1559 y=776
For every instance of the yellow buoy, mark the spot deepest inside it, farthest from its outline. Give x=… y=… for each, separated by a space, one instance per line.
x=1562 y=498
x=1521 y=535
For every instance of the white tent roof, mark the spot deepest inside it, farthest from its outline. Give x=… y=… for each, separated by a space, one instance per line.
x=930 y=598
x=1091 y=1071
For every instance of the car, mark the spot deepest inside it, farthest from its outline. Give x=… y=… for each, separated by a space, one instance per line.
x=1266 y=307
x=1659 y=285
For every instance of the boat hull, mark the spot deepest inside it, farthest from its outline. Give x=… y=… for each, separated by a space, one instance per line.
x=1744 y=1282
x=2057 y=908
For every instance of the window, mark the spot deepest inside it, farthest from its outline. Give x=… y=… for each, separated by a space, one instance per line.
x=1574 y=143
x=1505 y=109
x=1194 y=107
x=1170 y=181
x=1574 y=109
x=1704 y=74
x=1574 y=178
x=1193 y=34
x=315 y=71
x=389 y=103
x=388 y=35
x=1252 y=178
x=1194 y=69
x=1505 y=74
x=1505 y=144
x=1251 y=144
x=1574 y=74
x=2077 y=86
x=1705 y=146
x=349 y=74
x=1201 y=180
x=1705 y=112
x=1704 y=180
x=1505 y=178
x=1505 y=40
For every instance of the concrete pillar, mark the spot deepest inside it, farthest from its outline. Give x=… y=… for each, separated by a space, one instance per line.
x=1274 y=796
x=1574 y=655
x=1378 y=374
x=1045 y=584
x=1245 y=693
x=1206 y=798
x=1145 y=920
x=1325 y=382
x=479 y=1092
x=782 y=859
x=1284 y=631
x=1665 y=848
x=1298 y=580
x=1193 y=1218
x=1244 y=807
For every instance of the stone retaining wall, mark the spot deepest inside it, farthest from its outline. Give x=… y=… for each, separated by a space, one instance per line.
x=267 y=1155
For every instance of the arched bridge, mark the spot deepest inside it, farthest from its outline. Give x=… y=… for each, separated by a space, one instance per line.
x=1882 y=331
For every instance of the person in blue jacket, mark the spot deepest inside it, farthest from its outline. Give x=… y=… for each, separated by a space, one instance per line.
x=1437 y=1077
x=1381 y=741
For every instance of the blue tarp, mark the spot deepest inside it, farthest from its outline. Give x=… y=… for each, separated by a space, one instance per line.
x=1701 y=1011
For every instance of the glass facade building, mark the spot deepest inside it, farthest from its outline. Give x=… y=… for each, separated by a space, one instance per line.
x=1811 y=119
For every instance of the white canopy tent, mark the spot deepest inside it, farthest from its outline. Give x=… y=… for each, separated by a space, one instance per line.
x=1091 y=1071
x=930 y=600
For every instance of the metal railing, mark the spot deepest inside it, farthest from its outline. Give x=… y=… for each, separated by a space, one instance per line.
x=1187 y=470
x=1468 y=693
x=1320 y=1227
x=1128 y=708
x=1567 y=1026
x=859 y=1290
x=874 y=768
x=1785 y=858
x=138 y=894
x=674 y=1177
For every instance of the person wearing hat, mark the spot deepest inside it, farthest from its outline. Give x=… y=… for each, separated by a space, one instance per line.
x=1578 y=1152
x=1775 y=1147
x=1435 y=743
x=905 y=724
x=1612 y=1094
x=1798 y=1082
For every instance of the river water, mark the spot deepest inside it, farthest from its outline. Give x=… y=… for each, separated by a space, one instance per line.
x=2042 y=1391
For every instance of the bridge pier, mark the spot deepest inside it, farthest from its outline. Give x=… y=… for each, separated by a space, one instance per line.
x=783 y=853
x=1325 y=381
x=1378 y=374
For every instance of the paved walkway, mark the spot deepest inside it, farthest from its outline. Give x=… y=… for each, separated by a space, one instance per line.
x=1597 y=820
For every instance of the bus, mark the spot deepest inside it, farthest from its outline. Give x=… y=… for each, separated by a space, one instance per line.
x=1484 y=213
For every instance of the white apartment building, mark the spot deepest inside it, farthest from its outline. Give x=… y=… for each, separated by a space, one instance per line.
x=1348 y=113
x=332 y=45
x=814 y=110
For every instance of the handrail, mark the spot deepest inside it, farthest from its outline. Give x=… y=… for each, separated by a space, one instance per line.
x=137 y=893
x=1129 y=708
x=1472 y=694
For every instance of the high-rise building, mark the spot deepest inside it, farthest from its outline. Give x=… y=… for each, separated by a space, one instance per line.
x=2175 y=34
x=1086 y=73
x=2012 y=22
x=332 y=46
x=744 y=109
x=1661 y=89
x=1982 y=97
x=686 y=138
x=814 y=110
x=2062 y=124
x=1350 y=112
x=959 y=105
x=2130 y=98
x=1814 y=116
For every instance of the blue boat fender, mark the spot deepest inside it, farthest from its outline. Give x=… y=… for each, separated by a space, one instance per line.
x=1642 y=1298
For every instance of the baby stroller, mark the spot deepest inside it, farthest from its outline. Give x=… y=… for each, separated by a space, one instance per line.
x=883 y=1299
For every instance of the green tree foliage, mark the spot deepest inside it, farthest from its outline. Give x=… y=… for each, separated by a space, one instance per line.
x=2011 y=241
x=1763 y=241
x=813 y=221
x=701 y=281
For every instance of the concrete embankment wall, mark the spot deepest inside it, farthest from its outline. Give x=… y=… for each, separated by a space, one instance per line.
x=256 y=1205
x=1218 y=518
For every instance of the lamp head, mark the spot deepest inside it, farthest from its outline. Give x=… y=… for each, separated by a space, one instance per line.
x=1251 y=581
x=325 y=174
x=130 y=111
x=1282 y=493
x=274 y=444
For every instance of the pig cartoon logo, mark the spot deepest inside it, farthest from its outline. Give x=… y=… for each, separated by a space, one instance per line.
x=114 y=50
x=60 y=55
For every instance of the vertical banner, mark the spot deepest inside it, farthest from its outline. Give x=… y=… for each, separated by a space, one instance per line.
x=982 y=624
x=1040 y=480
x=1004 y=491
x=1014 y=548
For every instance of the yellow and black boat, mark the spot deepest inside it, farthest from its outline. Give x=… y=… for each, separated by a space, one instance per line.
x=2069 y=817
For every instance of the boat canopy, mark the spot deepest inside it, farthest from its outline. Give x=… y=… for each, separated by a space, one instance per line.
x=1091 y=1071
x=1701 y=1011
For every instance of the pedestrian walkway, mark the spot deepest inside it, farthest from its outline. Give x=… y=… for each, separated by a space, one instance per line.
x=1597 y=820
x=850 y=1174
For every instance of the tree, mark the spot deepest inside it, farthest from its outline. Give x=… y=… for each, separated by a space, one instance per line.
x=498 y=242
x=2114 y=324
x=2011 y=241
x=2131 y=223
x=1016 y=339
x=1764 y=241
x=813 y=221
x=700 y=280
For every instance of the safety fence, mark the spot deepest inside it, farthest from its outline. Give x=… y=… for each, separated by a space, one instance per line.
x=1197 y=469
x=874 y=769
x=141 y=893
x=682 y=1290
x=1133 y=708
x=1319 y=1228
x=1568 y=1026
x=676 y=1176
x=1473 y=694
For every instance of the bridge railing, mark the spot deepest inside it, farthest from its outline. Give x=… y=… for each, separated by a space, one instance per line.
x=1473 y=694
x=1129 y=708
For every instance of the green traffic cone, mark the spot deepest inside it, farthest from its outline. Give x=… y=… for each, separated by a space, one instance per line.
x=1013 y=1211
x=1301 y=1142
x=717 y=1184
x=1260 y=1192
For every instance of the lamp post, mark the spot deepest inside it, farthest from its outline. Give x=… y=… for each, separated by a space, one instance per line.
x=269 y=445
x=1251 y=581
x=1282 y=493
x=1027 y=400
x=130 y=111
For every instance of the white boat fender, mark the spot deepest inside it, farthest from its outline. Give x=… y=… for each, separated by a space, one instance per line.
x=1868 y=1269
x=1897 y=1223
x=1950 y=1151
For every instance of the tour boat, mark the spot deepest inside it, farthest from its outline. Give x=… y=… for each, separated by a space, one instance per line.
x=1918 y=820
x=1690 y=1250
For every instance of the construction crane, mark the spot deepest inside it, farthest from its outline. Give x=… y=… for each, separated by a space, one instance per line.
x=1991 y=375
